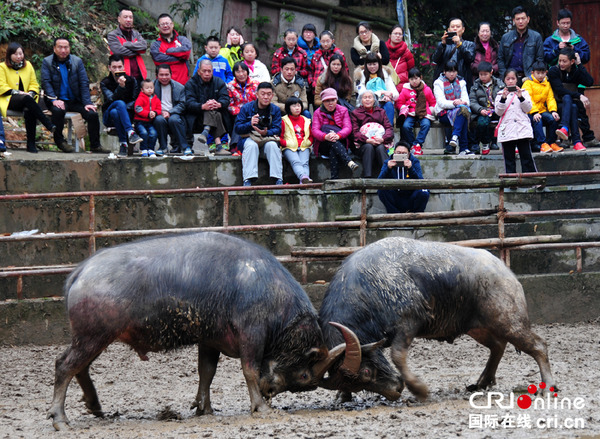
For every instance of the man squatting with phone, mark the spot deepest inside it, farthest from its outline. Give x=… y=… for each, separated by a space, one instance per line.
x=403 y=166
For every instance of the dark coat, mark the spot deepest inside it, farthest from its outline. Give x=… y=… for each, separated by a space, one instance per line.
x=243 y=122
x=197 y=92
x=112 y=92
x=577 y=76
x=480 y=56
x=361 y=116
x=532 y=52
x=78 y=79
x=177 y=96
x=478 y=97
x=463 y=55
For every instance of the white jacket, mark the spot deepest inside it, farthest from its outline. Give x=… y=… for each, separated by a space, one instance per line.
x=440 y=97
x=360 y=82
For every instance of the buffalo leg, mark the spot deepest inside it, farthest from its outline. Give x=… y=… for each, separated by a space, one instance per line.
x=532 y=344
x=496 y=347
x=73 y=362
x=400 y=347
x=208 y=359
x=89 y=392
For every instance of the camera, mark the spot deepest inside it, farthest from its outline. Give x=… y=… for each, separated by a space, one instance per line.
x=119 y=74
x=512 y=88
x=264 y=121
x=450 y=35
x=399 y=159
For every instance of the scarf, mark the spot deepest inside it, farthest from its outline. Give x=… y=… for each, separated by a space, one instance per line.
x=451 y=89
x=362 y=50
x=396 y=52
x=421 y=106
x=250 y=66
x=16 y=66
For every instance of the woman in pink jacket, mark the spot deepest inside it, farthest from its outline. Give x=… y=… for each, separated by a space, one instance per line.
x=331 y=127
x=514 y=127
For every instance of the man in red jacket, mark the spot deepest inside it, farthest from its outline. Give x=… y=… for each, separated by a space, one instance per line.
x=172 y=49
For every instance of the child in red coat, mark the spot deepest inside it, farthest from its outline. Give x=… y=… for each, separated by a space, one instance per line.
x=147 y=107
x=416 y=103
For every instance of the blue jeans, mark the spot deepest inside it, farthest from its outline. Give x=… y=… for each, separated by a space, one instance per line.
x=538 y=128
x=407 y=130
x=116 y=115
x=299 y=161
x=568 y=117
x=2 y=138
x=459 y=129
x=389 y=110
x=148 y=134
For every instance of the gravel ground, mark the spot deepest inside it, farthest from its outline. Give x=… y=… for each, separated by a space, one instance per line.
x=152 y=399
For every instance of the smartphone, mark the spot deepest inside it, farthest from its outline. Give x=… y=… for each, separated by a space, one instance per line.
x=450 y=35
x=400 y=157
x=119 y=74
x=512 y=88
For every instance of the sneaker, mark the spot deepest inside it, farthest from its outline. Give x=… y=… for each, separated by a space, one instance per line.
x=556 y=148
x=579 y=147
x=202 y=137
x=129 y=150
x=454 y=141
x=475 y=149
x=466 y=151
x=122 y=150
x=279 y=182
x=212 y=147
x=144 y=153
x=591 y=143
x=247 y=183
x=417 y=150
x=161 y=152
x=449 y=149
x=221 y=151
x=563 y=133
x=516 y=151
x=151 y=154
x=237 y=153
x=485 y=149
x=494 y=147
x=305 y=179
x=536 y=148
x=134 y=138
x=100 y=150
x=188 y=151
x=353 y=166
x=545 y=148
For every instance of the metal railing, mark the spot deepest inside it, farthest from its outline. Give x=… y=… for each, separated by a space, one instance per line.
x=362 y=222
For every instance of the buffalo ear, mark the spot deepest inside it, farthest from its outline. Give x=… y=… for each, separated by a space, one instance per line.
x=368 y=348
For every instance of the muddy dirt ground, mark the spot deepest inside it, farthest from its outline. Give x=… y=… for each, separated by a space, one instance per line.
x=152 y=399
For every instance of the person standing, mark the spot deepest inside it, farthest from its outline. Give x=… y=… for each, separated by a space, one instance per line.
x=232 y=51
x=367 y=42
x=67 y=88
x=172 y=49
x=19 y=91
x=401 y=58
x=259 y=125
x=486 y=49
x=520 y=47
x=172 y=118
x=130 y=44
x=291 y=48
x=563 y=37
x=454 y=48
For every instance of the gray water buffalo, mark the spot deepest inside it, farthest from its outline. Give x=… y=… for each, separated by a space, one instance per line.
x=220 y=292
x=397 y=289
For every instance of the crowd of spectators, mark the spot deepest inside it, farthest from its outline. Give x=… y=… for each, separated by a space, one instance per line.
x=308 y=103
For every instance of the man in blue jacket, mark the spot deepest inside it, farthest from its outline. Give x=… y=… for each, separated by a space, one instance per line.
x=259 y=125
x=67 y=88
x=520 y=47
x=403 y=201
x=563 y=37
x=172 y=99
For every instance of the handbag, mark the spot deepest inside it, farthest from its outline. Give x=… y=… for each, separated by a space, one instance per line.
x=502 y=118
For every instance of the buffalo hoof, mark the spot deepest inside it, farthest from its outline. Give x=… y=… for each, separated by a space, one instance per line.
x=61 y=425
x=201 y=411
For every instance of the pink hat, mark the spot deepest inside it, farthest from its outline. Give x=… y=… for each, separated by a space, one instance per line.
x=329 y=93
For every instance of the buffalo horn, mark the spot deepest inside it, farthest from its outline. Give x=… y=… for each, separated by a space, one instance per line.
x=351 y=364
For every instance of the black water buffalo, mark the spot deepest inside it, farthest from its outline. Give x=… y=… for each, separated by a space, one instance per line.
x=397 y=289
x=220 y=292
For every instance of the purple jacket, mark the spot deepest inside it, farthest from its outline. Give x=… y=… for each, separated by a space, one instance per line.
x=341 y=118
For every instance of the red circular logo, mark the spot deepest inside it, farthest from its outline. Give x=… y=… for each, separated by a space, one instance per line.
x=524 y=401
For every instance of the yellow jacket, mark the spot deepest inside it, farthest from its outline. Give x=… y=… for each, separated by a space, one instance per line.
x=541 y=95
x=289 y=135
x=9 y=80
